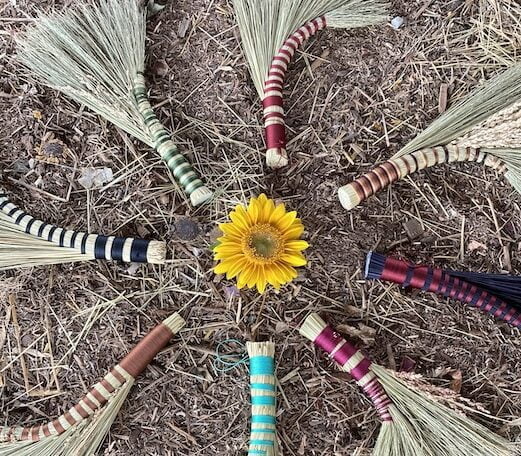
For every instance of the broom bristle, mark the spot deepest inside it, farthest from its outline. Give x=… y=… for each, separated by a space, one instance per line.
x=441 y=430
x=312 y=327
x=92 y=54
x=495 y=96
x=266 y=24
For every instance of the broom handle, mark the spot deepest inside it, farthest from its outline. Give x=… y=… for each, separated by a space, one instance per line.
x=443 y=283
x=94 y=246
x=273 y=103
x=127 y=370
x=263 y=386
x=353 y=194
x=185 y=175
x=353 y=361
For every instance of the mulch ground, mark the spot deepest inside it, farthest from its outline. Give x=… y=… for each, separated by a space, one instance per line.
x=353 y=98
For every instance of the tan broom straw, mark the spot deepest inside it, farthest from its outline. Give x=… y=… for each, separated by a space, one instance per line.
x=271 y=35
x=81 y=430
x=26 y=241
x=485 y=127
x=413 y=423
x=95 y=54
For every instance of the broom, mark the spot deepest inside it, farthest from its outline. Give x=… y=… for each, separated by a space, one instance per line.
x=81 y=430
x=269 y=41
x=413 y=424
x=485 y=127
x=26 y=241
x=95 y=54
x=263 y=384
x=499 y=295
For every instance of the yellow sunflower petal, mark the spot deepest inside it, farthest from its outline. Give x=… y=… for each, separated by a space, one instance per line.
x=297 y=245
x=277 y=214
x=254 y=211
x=231 y=229
x=294 y=231
x=294 y=259
x=267 y=209
x=240 y=218
x=286 y=221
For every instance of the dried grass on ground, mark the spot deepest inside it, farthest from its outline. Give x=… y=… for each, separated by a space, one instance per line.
x=354 y=99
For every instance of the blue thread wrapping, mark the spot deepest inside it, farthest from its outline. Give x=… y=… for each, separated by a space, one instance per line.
x=262 y=365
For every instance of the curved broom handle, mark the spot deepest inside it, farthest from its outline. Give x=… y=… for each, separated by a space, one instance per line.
x=94 y=246
x=353 y=361
x=273 y=103
x=127 y=370
x=178 y=164
x=353 y=194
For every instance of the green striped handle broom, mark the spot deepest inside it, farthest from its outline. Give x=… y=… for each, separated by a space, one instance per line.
x=271 y=33
x=95 y=54
x=485 y=127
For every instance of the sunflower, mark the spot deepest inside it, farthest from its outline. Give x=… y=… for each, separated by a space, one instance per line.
x=261 y=245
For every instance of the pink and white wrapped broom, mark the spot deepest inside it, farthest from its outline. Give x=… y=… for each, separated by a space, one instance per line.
x=413 y=423
x=270 y=41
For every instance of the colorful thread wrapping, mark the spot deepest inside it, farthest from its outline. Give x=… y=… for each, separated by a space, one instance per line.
x=352 y=360
x=442 y=283
x=263 y=385
x=273 y=102
x=94 y=246
x=127 y=370
x=178 y=164
x=369 y=184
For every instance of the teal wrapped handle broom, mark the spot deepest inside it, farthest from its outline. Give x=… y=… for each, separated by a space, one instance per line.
x=95 y=54
x=485 y=127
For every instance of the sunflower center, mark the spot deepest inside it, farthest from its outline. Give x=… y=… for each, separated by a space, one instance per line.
x=263 y=243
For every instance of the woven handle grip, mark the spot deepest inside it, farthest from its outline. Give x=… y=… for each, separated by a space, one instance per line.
x=356 y=192
x=93 y=246
x=263 y=386
x=184 y=173
x=353 y=361
x=442 y=283
x=131 y=366
x=273 y=102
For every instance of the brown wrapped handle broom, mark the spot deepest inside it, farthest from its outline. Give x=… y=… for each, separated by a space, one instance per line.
x=485 y=128
x=81 y=430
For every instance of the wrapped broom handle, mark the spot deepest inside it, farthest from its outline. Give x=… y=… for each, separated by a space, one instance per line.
x=273 y=102
x=263 y=385
x=126 y=371
x=356 y=192
x=440 y=282
x=350 y=360
x=178 y=164
x=93 y=245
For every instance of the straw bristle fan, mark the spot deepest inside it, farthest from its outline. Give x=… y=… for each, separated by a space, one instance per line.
x=272 y=31
x=95 y=54
x=81 y=430
x=485 y=127
x=26 y=241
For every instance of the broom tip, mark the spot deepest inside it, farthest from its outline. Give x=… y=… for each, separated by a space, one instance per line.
x=276 y=158
x=348 y=197
x=156 y=253
x=174 y=323
x=312 y=327
x=260 y=349
x=201 y=195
